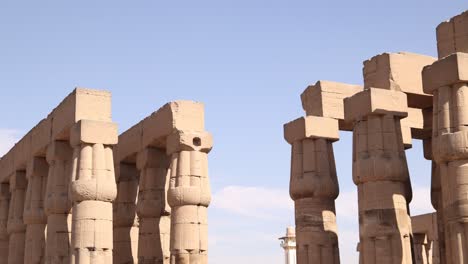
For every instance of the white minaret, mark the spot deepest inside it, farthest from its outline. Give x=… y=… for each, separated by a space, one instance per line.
x=288 y=243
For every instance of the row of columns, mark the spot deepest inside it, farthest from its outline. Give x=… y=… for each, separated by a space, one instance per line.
x=168 y=223
x=60 y=209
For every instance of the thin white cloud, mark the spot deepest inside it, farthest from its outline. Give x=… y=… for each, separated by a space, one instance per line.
x=8 y=138
x=421 y=203
x=257 y=202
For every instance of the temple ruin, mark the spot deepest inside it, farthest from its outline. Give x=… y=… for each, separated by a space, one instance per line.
x=74 y=191
x=405 y=96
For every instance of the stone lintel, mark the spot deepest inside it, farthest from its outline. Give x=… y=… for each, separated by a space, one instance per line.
x=154 y=130
x=425 y=224
x=375 y=101
x=452 y=35
x=447 y=71
x=325 y=99
x=92 y=132
x=311 y=127
x=189 y=141
x=80 y=104
x=399 y=72
x=177 y=115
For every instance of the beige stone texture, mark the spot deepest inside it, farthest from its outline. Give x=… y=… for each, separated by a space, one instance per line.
x=15 y=226
x=57 y=203
x=382 y=102
x=153 y=130
x=311 y=127
x=80 y=104
x=447 y=71
x=152 y=207
x=399 y=72
x=189 y=196
x=34 y=214
x=374 y=101
x=125 y=221
x=314 y=188
x=325 y=99
x=447 y=80
x=176 y=127
x=452 y=35
x=4 y=206
x=92 y=189
x=384 y=190
x=425 y=239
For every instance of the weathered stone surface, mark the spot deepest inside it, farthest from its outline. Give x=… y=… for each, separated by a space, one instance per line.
x=311 y=127
x=325 y=99
x=399 y=72
x=375 y=101
x=34 y=214
x=93 y=190
x=126 y=224
x=189 y=196
x=4 y=207
x=447 y=71
x=452 y=35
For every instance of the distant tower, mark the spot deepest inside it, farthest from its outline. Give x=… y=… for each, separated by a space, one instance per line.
x=288 y=243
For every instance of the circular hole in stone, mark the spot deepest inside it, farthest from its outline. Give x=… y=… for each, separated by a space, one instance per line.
x=197 y=141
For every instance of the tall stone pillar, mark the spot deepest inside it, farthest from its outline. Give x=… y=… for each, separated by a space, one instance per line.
x=380 y=172
x=152 y=207
x=57 y=203
x=93 y=189
x=125 y=221
x=314 y=188
x=16 y=228
x=34 y=215
x=189 y=196
x=436 y=201
x=422 y=249
x=447 y=80
x=4 y=206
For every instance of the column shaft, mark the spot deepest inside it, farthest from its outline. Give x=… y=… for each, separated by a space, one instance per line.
x=58 y=204
x=16 y=228
x=189 y=196
x=4 y=206
x=126 y=224
x=380 y=171
x=93 y=190
x=314 y=188
x=152 y=208
x=34 y=215
x=450 y=129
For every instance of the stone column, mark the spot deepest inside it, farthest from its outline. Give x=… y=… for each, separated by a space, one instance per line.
x=16 y=228
x=189 y=196
x=447 y=80
x=380 y=172
x=152 y=208
x=92 y=189
x=125 y=220
x=422 y=249
x=58 y=204
x=34 y=215
x=436 y=201
x=314 y=188
x=4 y=206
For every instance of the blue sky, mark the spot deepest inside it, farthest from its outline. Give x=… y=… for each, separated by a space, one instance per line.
x=248 y=61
